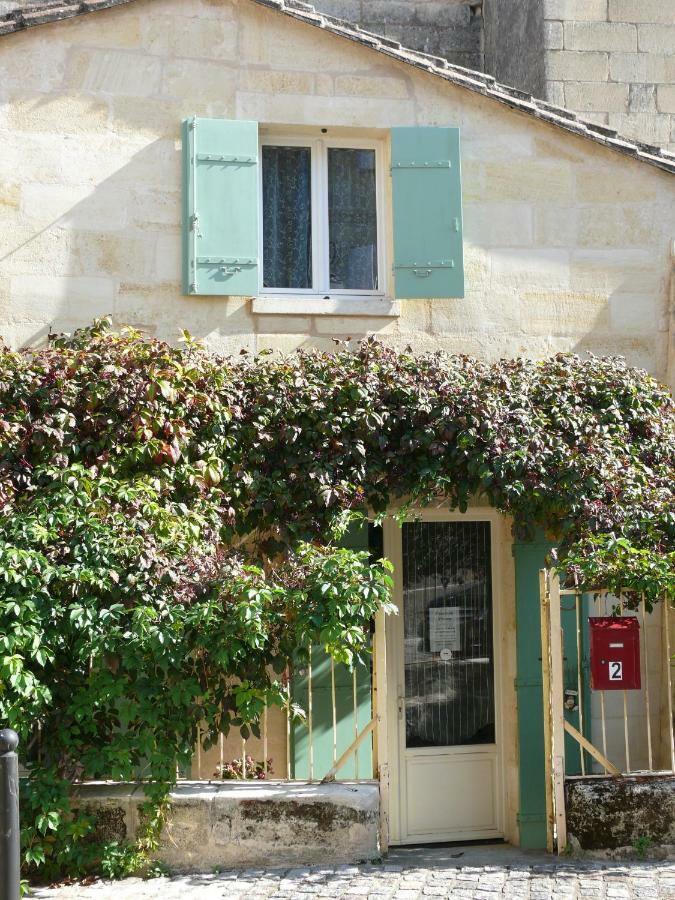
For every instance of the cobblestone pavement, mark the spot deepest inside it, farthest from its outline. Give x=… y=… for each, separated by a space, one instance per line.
x=401 y=880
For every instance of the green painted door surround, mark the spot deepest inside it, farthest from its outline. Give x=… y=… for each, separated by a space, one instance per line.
x=529 y=558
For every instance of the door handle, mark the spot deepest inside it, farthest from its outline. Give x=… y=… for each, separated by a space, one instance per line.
x=401 y=706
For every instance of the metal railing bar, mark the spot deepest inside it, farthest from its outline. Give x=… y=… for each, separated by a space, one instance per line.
x=578 y=600
x=544 y=592
x=646 y=661
x=288 y=730
x=309 y=716
x=332 y=694
x=604 y=726
x=625 y=730
x=625 y=706
x=356 y=722
x=264 y=732
x=669 y=679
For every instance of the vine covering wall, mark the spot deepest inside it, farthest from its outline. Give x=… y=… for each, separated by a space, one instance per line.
x=169 y=524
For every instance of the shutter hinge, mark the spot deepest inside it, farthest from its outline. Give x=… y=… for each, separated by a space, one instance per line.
x=439 y=164
x=219 y=158
x=227 y=265
x=226 y=261
x=194 y=224
x=425 y=269
x=428 y=264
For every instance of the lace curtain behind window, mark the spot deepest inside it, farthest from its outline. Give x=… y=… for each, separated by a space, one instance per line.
x=287 y=219
x=352 y=212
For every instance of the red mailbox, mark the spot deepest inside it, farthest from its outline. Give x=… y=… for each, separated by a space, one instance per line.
x=615 y=653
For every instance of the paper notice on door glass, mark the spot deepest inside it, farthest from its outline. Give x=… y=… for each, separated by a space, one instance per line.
x=444 y=628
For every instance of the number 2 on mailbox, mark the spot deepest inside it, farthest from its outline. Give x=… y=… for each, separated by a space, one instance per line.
x=615 y=653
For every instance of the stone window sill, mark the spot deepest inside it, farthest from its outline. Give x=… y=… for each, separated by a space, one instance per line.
x=336 y=306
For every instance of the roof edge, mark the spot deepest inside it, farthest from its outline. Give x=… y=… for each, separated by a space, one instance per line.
x=42 y=13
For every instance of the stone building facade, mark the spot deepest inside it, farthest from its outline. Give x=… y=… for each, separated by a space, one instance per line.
x=449 y=28
x=610 y=61
x=567 y=244
x=567 y=231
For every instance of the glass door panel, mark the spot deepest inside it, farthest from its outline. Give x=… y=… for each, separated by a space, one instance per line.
x=448 y=644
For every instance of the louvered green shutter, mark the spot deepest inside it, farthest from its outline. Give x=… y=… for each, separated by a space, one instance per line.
x=427 y=199
x=220 y=207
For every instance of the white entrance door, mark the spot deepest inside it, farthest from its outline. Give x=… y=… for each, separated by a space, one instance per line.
x=445 y=779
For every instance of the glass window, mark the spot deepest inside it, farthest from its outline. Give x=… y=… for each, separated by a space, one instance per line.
x=287 y=217
x=447 y=615
x=352 y=219
x=319 y=213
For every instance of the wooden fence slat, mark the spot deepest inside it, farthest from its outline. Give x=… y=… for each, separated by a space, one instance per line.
x=557 y=711
x=546 y=690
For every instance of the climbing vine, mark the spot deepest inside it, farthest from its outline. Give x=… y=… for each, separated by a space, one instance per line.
x=169 y=527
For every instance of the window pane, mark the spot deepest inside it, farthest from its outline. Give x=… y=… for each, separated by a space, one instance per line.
x=447 y=614
x=352 y=219
x=287 y=217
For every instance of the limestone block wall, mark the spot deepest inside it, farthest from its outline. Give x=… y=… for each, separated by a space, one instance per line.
x=449 y=28
x=613 y=61
x=245 y=825
x=615 y=813
x=567 y=244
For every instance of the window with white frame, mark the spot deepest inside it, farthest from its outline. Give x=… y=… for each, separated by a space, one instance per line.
x=320 y=217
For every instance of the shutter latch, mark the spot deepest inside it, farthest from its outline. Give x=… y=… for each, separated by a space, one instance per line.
x=194 y=224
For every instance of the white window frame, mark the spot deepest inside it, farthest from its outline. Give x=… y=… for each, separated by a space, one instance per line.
x=319 y=147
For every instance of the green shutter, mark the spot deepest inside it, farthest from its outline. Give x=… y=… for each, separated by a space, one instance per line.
x=220 y=207
x=427 y=200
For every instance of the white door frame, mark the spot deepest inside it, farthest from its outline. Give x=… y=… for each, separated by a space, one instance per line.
x=394 y=764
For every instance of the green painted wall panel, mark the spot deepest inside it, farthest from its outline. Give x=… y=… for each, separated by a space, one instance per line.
x=569 y=624
x=427 y=210
x=322 y=719
x=529 y=558
x=220 y=207
x=360 y=765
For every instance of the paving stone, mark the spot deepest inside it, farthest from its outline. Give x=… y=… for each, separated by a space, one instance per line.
x=586 y=880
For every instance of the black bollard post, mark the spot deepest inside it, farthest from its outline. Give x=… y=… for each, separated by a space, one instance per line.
x=10 y=858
